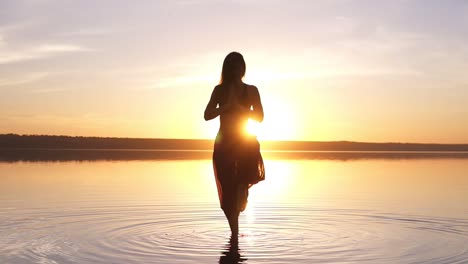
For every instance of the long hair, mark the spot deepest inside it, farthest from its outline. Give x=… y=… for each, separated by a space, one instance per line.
x=233 y=68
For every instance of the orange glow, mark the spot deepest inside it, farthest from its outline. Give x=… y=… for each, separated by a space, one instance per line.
x=252 y=127
x=279 y=122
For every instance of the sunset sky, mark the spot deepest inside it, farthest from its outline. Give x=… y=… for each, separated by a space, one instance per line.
x=361 y=70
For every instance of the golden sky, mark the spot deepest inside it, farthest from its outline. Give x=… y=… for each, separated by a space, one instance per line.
x=326 y=70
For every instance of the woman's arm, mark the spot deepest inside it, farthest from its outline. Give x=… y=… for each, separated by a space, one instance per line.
x=257 y=109
x=211 y=110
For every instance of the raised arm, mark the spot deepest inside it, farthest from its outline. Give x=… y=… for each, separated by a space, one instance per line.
x=257 y=109
x=211 y=110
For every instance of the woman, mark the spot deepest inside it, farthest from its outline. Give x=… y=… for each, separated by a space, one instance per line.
x=237 y=161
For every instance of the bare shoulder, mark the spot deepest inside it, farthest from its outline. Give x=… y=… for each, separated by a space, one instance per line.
x=252 y=89
x=217 y=89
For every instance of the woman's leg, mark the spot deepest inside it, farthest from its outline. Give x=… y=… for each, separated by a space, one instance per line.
x=242 y=192
x=242 y=195
x=233 y=219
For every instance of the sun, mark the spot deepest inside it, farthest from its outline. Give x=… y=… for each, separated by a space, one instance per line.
x=278 y=124
x=252 y=127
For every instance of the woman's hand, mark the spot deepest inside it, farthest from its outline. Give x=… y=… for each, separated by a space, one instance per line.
x=234 y=107
x=233 y=103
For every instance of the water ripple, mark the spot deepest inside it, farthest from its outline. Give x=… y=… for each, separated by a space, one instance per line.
x=198 y=233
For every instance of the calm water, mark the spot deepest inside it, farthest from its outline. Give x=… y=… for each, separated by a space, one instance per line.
x=307 y=211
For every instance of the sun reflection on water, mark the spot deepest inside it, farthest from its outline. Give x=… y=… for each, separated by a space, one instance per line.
x=274 y=187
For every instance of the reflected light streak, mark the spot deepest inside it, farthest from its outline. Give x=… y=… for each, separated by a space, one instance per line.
x=274 y=187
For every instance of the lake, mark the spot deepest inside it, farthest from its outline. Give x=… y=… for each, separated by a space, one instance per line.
x=308 y=210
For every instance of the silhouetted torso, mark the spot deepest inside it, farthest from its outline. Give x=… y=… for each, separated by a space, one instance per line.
x=232 y=123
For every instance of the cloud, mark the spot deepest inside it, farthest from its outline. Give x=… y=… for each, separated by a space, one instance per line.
x=24 y=78
x=58 y=48
x=9 y=54
x=180 y=81
x=86 y=32
x=48 y=90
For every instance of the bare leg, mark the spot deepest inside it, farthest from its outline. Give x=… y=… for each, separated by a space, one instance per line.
x=233 y=220
x=235 y=224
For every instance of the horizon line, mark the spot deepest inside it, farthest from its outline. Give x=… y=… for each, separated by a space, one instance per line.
x=212 y=139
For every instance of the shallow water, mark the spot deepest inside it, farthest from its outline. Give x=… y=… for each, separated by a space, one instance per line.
x=306 y=211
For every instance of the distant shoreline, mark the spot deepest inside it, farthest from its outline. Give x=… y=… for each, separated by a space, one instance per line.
x=14 y=141
x=33 y=155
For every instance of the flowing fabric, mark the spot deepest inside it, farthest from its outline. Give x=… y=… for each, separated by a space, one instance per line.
x=237 y=167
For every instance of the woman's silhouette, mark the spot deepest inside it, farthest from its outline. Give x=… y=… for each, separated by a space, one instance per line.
x=237 y=161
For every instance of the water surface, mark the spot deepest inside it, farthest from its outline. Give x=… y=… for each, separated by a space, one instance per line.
x=166 y=211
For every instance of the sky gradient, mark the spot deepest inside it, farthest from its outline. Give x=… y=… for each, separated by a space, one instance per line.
x=364 y=70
